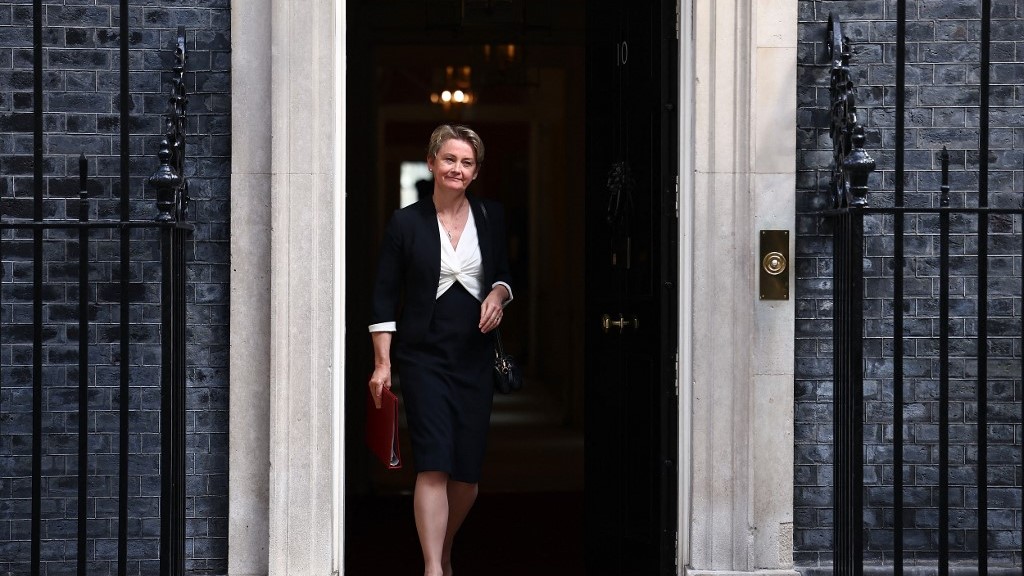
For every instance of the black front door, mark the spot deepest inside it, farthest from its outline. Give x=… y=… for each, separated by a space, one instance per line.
x=631 y=319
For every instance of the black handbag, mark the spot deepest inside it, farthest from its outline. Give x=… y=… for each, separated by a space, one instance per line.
x=508 y=376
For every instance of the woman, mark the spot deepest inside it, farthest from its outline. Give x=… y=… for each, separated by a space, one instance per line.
x=444 y=260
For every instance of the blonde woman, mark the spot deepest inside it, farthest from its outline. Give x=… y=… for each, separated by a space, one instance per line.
x=442 y=284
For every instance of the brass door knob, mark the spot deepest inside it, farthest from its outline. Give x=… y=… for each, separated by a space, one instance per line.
x=622 y=322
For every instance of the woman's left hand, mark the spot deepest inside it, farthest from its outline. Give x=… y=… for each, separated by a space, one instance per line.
x=491 y=309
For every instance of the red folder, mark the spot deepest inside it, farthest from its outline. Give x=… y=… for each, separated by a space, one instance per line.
x=382 y=429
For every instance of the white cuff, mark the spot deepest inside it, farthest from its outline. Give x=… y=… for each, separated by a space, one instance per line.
x=508 y=288
x=384 y=327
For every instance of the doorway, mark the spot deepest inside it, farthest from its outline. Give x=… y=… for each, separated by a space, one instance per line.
x=522 y=68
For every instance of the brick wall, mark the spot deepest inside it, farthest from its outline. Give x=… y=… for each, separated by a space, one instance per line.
x=942 y=108
x=82 y=114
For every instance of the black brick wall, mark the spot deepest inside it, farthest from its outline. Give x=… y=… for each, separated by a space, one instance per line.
x=82 y=114
x=942 y=109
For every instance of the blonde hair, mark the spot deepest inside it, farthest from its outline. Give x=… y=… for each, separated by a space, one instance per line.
x=446 y=132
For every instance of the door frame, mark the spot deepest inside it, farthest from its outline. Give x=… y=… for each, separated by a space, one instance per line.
x=758 y=47
x=685 y=128
x=685 y=229
x=250 y=532
x=684 y=23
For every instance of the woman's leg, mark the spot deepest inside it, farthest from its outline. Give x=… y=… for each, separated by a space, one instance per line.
x=440 y=505
x=430 y=505
x=461 y=497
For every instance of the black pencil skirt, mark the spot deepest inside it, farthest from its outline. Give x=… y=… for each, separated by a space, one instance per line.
x=448 y=388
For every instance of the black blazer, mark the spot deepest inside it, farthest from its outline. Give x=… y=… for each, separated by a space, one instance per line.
x=409 y=268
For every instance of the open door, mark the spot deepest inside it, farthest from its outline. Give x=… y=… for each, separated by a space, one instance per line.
x=631 y=276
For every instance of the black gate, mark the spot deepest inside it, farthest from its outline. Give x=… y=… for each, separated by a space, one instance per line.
x=92 y=372
x=927 y=335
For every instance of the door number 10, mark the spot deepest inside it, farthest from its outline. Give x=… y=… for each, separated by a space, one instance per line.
x=621 y=53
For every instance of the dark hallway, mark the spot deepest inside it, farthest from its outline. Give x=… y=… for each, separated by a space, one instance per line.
x=521 y=67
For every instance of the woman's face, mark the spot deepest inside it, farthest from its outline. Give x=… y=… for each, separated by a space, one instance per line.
x=455 y=166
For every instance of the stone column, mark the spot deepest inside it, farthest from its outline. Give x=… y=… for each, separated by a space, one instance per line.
x=249 y=435
x=744 y=181
x=302 y=498
x=284 y=502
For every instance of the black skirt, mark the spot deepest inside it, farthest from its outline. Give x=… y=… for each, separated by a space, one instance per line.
x=448 y=388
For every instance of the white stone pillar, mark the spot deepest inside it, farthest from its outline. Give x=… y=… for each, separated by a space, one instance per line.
x=302 y=497
x=284 y=499
x=249 y=434
x=741 y=499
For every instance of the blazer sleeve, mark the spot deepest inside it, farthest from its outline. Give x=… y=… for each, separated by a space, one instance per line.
x=390 y=275
x=499 y=243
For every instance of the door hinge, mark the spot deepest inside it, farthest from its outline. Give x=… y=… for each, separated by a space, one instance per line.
x=677 y=196
x=677 y=377
x=678 y=12
x=677 y=551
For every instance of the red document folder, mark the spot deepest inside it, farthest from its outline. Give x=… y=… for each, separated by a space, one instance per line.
x=382 y=429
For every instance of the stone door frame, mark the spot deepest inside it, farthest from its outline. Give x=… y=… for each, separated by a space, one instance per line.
x=737 y=173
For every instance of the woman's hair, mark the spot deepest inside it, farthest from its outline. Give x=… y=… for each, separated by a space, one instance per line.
x=446 y=132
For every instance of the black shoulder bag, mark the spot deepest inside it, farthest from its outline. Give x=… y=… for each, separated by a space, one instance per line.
x=508 y=376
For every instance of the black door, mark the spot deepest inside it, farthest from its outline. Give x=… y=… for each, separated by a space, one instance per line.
x=631 y=320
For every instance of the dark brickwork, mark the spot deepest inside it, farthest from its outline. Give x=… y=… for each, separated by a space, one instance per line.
x=942 y=109
x=82 y=114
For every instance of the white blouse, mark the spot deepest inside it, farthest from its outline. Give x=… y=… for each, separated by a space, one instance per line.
x=463 y=264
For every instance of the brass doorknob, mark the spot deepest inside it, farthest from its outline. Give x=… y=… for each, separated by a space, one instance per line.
x=608 y=323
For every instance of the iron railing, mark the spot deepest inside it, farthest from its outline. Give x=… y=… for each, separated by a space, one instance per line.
x=169 y=229
x=849 y=192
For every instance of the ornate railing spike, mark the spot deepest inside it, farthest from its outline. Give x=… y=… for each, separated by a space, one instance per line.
x=169 y=179
x=851 y=164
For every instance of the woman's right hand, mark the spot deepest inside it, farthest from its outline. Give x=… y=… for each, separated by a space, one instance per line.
x=379 y=380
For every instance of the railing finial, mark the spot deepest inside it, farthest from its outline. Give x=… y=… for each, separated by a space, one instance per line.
x=851 y=164
x=167 y=182
x=169 y=179
x=856 y=166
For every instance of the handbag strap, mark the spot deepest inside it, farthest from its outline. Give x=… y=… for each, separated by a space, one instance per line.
x=499 y=348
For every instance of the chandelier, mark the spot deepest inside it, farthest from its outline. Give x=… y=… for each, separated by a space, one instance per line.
x=456 y=88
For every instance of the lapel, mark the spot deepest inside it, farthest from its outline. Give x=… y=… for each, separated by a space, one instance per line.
x=429 y=250
x=483 y=232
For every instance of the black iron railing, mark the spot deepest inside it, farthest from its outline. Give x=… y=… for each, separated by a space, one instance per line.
x=169 y=229
x=849 y=195
x=851 y=166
